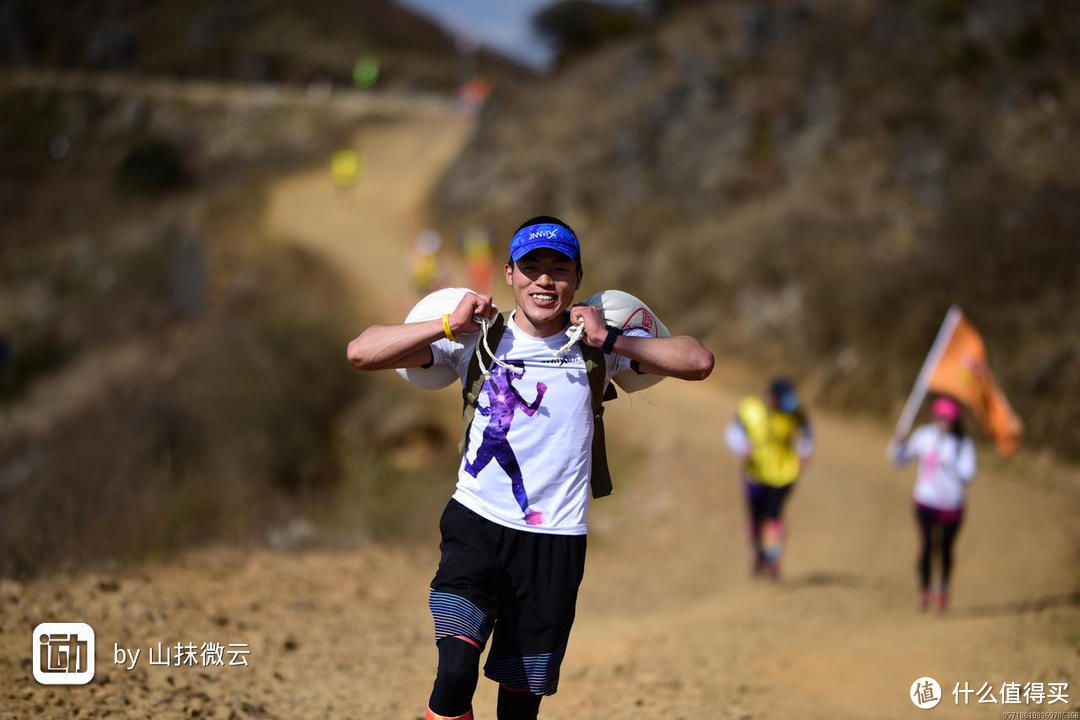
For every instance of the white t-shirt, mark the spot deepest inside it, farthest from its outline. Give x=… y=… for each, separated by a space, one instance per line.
x=528 y=459
x=946 y=466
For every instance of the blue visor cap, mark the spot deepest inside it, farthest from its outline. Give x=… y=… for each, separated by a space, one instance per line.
x=784 y=393
x=545 y=235
x=788 y=402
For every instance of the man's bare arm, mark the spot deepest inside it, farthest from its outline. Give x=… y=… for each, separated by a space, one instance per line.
x=394 y=346
x=381 y=347
x=679 y=356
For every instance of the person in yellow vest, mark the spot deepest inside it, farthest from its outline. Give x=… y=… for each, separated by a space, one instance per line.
x=775 y=441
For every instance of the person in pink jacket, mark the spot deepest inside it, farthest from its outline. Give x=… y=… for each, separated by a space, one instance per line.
x=946 y=467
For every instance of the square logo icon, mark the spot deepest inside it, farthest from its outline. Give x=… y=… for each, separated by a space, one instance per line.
x=63 y=653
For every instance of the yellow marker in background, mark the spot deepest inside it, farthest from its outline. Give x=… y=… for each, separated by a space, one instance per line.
x=346 y=166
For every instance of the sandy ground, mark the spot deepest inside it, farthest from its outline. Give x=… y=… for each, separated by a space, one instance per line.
x=669 y=623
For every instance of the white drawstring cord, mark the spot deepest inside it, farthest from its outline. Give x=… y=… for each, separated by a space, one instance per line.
x=484 y=325
x=574 y=333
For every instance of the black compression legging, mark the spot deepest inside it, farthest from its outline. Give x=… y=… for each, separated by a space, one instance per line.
x=517 y=705
x=934 y=531
x=456 y=681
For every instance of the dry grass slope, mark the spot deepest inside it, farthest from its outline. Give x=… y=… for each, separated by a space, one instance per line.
x=812 y=184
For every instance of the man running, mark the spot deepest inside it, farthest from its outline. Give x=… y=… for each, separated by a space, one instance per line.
x=512 y=561
x=775 y=441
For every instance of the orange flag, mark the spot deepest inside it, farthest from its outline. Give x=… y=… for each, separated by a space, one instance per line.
x=962 y=371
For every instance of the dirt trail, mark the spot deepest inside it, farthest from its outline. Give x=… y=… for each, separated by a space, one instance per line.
x=669 y=625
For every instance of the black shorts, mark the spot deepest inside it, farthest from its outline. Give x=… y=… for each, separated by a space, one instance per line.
x=766 y=501
x=522 y=585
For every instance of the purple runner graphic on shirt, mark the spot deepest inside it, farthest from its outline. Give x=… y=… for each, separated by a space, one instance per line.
x=503 y=401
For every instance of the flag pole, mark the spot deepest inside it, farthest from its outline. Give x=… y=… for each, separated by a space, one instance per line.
x=918 y=393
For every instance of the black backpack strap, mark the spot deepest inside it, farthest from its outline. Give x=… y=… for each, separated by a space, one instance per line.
x=474 y=377
x=596 y=368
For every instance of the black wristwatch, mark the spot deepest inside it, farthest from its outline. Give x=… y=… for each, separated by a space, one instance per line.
x=609 y=341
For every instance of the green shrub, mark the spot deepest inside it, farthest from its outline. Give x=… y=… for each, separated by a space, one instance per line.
x=22 y=362
x=152 y=167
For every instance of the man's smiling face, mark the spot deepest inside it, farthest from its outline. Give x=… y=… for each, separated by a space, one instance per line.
x=544 y=282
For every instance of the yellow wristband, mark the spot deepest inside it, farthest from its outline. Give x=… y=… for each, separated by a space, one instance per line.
x=446 y=327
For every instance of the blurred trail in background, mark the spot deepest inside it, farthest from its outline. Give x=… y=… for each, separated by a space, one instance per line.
x=669 y=623
x=366 y=232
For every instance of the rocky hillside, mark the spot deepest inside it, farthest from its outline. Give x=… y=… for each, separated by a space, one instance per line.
x=171 y=365
x=254 y=40
x=812 y=183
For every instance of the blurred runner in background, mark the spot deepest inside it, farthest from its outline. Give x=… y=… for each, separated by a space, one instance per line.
x=473 y=92
x=424 y=270
x=946 y=465
x=479 y=259
x=775 y=441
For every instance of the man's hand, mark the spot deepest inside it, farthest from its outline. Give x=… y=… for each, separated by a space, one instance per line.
x=595 y=328
x=472 y=305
